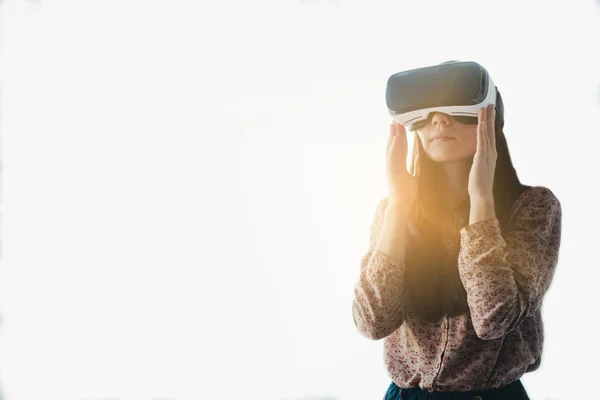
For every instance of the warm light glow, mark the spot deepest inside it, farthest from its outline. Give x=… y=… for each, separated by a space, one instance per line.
x=187 y=187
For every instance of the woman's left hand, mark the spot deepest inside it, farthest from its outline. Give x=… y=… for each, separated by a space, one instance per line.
x=481 y=177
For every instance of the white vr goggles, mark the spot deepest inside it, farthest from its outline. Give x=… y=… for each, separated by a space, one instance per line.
x=459 y=89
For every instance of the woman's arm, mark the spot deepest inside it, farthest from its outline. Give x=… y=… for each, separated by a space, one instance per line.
x=506 y=279
x=378 y=305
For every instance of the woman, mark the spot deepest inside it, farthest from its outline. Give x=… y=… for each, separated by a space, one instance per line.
x=460 y=257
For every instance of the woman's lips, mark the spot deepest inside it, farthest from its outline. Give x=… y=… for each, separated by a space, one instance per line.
x=442 y=139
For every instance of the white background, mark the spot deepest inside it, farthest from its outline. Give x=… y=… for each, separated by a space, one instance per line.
x=188 y=187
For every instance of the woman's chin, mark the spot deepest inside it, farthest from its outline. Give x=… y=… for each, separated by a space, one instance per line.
x=447 y=157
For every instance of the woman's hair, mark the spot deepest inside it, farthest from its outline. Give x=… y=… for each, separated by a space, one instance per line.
x=433 y=285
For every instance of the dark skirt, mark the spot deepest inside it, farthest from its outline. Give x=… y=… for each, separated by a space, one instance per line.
x=512 y=391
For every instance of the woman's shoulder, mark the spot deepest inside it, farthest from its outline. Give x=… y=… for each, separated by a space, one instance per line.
x=536 y=197
x=535 y=202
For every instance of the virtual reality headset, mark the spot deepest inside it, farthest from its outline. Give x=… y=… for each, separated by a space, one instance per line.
x=459 y=89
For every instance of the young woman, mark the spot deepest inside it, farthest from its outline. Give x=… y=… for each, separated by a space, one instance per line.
x=460 y=257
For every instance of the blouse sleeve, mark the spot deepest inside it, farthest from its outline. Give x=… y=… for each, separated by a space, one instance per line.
x=378 y=306
x=506 y=278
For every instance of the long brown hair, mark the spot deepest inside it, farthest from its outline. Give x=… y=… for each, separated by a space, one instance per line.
x=433 y=284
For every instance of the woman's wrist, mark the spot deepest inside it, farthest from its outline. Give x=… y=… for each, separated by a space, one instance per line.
x=481 y=210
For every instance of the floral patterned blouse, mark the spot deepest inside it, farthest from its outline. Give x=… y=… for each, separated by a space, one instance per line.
x=505 y=279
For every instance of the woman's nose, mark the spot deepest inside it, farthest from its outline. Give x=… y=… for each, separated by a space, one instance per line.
x=440 y=118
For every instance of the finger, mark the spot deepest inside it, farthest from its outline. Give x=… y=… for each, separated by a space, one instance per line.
x=485 y=141
x=396 y=164
x=413 y=156
x=391 y=136
x=415 y=149
x=388 y=158
x=480 y=123
x=492 y=128
x=416 y=158
x=401 y=134
x=398 y=129
x=397 y=154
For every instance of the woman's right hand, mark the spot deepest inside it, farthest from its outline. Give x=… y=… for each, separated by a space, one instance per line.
x=402 y=184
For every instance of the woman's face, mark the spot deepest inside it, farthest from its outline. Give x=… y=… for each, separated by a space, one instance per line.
x=460 y=145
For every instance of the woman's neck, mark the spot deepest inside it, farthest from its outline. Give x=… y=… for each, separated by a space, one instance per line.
x=456 y=177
